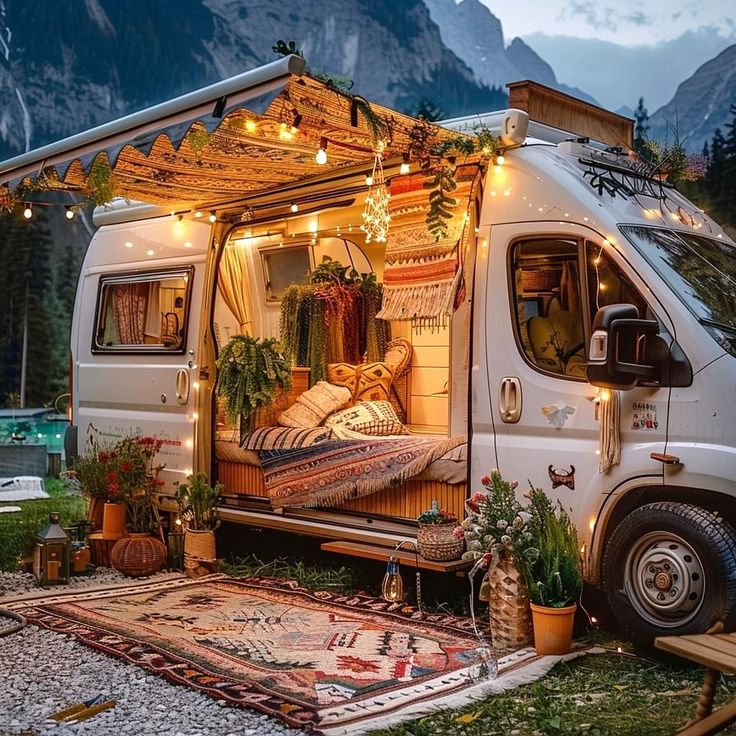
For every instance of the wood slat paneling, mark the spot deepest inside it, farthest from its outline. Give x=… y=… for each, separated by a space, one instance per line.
x=406 y=501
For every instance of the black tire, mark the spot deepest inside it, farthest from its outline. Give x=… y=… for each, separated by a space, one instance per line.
x=670 y=569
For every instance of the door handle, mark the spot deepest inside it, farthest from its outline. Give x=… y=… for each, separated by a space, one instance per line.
x=509 y=399
x=182 y=385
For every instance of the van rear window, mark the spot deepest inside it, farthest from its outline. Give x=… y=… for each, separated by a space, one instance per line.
x=142 y=312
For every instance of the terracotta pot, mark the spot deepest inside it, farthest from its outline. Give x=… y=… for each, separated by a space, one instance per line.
x=114 y=519
x=138 y=554
x=553 y=628
x=200 y=545
x=95 y=512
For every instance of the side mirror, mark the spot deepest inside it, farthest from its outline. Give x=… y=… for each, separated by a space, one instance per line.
x=618 y=348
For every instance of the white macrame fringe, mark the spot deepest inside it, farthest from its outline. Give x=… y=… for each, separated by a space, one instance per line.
x=428 y=301
x=609 y=416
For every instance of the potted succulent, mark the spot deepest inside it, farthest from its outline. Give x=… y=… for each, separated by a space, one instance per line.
x=197 y=501
x=436 y=536
x=497 y=529
x=555 y=577
x=138 y=553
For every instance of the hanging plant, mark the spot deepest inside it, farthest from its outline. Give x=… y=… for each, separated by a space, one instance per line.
x=101 y=186
x=250 y=370
x=198 y=140
x=438 y=161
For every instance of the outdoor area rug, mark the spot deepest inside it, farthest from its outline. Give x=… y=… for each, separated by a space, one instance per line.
x=324 y=662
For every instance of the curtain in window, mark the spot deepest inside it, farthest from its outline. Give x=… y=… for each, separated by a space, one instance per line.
x=129 y=312
x=153 y=311
x=232 y=283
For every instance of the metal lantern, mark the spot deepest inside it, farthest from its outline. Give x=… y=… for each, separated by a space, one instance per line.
x=51 y=556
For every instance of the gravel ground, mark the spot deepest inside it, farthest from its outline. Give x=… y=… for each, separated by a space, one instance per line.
x=42 y=672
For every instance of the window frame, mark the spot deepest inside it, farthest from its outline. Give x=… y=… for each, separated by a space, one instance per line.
x=127 y=277
x=583 y=278
x=268 y=249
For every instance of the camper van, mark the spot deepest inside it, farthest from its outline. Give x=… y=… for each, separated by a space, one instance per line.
x=578 y=333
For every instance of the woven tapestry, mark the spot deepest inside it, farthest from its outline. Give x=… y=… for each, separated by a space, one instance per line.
x=421 y=274
x=324 y=662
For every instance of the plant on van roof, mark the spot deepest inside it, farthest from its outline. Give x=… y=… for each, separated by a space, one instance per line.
x=250 y=370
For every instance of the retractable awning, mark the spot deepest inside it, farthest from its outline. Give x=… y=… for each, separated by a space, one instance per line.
x=247 y=134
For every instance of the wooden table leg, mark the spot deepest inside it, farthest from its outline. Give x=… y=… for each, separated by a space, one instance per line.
x=707 y=693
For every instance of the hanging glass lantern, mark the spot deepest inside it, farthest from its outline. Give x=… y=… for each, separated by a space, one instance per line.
x=51 y=556
x=392 y=588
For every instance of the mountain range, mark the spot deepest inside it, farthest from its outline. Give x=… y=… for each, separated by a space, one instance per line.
x=65 y=67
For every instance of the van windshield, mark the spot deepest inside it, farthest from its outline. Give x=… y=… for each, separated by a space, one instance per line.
x=700 y=270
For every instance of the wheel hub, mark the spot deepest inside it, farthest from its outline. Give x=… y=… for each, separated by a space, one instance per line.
x=664 y=579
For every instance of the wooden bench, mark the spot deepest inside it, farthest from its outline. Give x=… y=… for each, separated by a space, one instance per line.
x=717 y=652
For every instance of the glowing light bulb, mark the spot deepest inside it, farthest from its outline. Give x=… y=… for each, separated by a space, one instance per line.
x=128 y=244
x=497 y=169
x=321 y=157
x=500 y=160
x=28 y=212
x=187 y=244
x=294 y=207
x=150 y=252
x=250 y=126
x=212 y=217
x=593 y=620
x=198 y=214
x=404 y=168
x=369 y=181
x=69 y=214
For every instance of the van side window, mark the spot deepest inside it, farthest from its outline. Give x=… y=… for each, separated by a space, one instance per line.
x=142 y=312
x=549 y=317
x=607 y=284
x=283 y=267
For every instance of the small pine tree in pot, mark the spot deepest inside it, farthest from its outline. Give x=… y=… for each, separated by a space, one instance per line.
x=197 y=502
x=554 y=577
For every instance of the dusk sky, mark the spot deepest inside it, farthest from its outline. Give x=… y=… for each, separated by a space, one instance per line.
x=627 y=22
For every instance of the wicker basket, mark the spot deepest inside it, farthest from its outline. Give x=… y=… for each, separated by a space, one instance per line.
x=138 y=554
x=436 y=542
x=511 y=624
x=199 y=544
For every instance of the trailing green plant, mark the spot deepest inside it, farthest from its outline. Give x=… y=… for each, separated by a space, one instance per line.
x=554 y=577
x=197 y=502
x=101 y=186
x=198 y=140
x=250 y=370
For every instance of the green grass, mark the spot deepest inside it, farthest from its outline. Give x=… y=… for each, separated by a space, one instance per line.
x=18 y=530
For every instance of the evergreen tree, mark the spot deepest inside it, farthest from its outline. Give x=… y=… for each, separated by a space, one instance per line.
x=714 y=174
x=727 y=202
x=641 y=118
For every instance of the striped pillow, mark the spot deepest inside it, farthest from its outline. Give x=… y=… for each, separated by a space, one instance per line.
x=285 y=438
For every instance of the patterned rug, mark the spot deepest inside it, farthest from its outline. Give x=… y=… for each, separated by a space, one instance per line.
x=329 y=473
x=326 y=663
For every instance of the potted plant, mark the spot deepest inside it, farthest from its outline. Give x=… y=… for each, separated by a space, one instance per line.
x=89 y=472
x=197 y=501
x=139 y=553
x=496 y=527
x=555 y=577
x=249 y=372
x=436 y=537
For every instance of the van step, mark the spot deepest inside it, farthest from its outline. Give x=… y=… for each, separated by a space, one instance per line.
x=406 y=557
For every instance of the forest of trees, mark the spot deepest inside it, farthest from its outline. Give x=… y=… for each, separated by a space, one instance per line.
x=38 y=279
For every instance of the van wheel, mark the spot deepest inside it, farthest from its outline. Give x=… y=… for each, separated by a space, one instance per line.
x=669 y=569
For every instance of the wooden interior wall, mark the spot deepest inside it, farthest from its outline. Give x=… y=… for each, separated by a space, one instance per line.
x=428 y=379
x=406 y=501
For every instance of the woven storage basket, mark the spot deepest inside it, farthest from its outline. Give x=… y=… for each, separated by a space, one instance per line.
x=511 y=624
x=199 y=544
x=436 y=542
x=138 y=554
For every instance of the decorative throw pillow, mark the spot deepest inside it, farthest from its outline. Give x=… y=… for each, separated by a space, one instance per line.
x=367 y=381
x=313 y=406
x=285 y=438
x=376 y=418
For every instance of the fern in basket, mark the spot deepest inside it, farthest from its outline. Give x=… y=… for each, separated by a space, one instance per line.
x=250 y=370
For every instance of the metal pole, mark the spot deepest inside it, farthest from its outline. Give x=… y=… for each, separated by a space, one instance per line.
x=24 y=353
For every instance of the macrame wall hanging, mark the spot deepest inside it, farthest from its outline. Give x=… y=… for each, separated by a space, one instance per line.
x=609 y=417
x=376 y=217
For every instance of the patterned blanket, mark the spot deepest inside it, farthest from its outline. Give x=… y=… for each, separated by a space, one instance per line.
x=329 y=473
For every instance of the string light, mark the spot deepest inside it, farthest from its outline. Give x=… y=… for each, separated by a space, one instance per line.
x=250 y=126
x=368 y=180
x=28 y=212
x=198 y=214
x=69 y=213
x=500 y=160
x=321 y=157
x=212 y=217
x=404 y=168
x=294 y=207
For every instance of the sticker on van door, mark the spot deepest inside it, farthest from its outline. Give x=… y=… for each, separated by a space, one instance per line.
x=557 y=414
x=644 y=416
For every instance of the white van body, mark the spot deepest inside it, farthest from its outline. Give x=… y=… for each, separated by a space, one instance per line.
x=532 y=424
